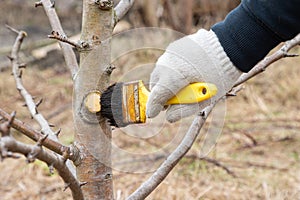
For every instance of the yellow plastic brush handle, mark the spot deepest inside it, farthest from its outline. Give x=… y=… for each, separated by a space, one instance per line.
x=194 y=93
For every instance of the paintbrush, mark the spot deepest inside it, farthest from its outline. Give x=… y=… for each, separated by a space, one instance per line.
x=125 y=103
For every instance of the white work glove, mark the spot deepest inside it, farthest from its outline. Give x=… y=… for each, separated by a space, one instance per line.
x=195 y=58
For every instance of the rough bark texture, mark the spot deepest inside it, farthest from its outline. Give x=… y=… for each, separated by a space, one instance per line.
x=93 y=135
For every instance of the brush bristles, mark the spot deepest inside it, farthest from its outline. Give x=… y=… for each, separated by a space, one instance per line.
x=111 y=105
x=121 y=104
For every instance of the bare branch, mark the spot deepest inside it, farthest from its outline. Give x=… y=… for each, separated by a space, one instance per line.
x=39 y=102
x=160 y=174
x=67 y=50
x=122 y=8
x=29 y=100
x=36 y=136
x=63 y=38
x=31 y=105
x=13 y=29
x=233 y=92
x=9 y=144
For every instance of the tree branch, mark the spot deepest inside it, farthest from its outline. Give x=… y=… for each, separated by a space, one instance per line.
x=262 y=65
x=17 y=73
x=31 y=105
x=122 y=8
x=57 y=36
x=8 y=146
x=67 y=50
x=160 y=174
x=55 y=146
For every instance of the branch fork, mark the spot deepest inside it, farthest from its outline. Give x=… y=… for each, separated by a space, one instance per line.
x=9 y=146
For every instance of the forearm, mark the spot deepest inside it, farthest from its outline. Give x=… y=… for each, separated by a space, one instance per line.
x=255 y=27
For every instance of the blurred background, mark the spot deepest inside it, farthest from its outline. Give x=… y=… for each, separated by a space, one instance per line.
x=256 y=157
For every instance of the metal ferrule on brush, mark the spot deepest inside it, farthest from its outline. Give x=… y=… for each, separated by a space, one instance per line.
x=134 y=100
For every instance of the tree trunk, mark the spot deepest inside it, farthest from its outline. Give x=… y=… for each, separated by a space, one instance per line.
x=92 y=133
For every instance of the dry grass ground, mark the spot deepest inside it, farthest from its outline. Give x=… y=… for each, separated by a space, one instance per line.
x=259 y=142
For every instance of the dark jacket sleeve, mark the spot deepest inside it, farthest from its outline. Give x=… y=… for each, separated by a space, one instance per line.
x=255 y=27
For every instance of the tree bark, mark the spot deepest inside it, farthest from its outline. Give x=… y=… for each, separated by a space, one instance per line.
x=92 y=133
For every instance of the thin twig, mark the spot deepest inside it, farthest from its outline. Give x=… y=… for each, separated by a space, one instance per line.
x=13 y=29
x=253 y=140
x=262 y=65
x=67 y=50
x=247 y=164
x=160 y=174
x=57 y=36
x=214 y=162
x=122 y=8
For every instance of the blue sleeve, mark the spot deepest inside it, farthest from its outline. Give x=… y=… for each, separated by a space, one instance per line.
x=255 y=27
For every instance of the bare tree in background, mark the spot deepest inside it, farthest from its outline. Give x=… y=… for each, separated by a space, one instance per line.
x=93 y=177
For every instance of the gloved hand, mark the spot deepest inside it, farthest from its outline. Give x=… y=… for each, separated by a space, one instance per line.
x=195 y=58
